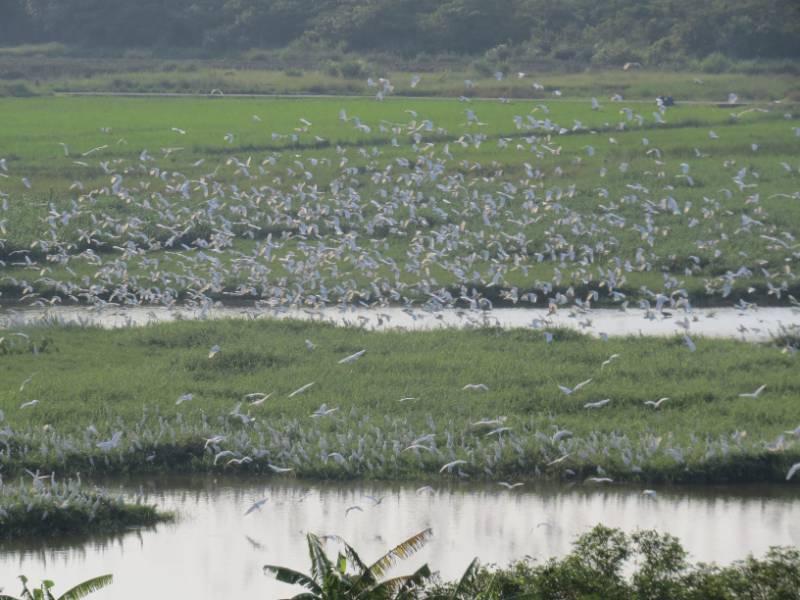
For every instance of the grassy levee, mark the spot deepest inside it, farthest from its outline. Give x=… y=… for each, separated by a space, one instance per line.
x=45 y=509
x=92 y=384
x=41 y=75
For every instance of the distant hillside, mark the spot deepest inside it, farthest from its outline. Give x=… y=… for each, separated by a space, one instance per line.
x=593 y=31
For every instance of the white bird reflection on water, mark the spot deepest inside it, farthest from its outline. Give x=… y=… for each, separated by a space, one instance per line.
x=215 y=551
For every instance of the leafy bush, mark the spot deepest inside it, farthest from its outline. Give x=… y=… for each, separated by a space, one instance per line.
x=353 y=69
x=716 y=62
x=594 y=570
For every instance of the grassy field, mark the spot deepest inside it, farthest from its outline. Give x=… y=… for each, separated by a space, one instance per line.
x=31 y=71
x=399 y=199
x=148 y=399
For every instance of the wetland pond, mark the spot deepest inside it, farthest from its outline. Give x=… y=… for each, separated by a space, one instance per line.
x=214 y=550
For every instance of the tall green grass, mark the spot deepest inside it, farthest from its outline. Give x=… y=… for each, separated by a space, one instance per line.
x=92 y=383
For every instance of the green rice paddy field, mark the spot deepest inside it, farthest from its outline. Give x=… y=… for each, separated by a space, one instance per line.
x=694 y=194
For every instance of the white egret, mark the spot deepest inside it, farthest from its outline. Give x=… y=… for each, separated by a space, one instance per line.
x=754 y=394
x=569 y=391
x=352 y=358
x=301 y=389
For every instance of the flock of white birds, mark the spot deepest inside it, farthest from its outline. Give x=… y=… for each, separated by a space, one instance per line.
x=406 y=222
x=411 y=222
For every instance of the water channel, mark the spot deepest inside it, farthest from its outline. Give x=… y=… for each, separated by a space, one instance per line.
x=755 y=324
x=214 y=550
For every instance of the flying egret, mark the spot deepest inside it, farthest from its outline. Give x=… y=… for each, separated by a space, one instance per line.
x=449 y=466
x=223 y=454
x=26 y=382
x=569 y=391
x=256 y=506
x=352 y=358
x=510 y=486
x=277 y=469
x=656 y=403
x=324 y=411
x=300 y=390
x=611 y=358
x=598 y=404
x=753 y=394
x=108 y=445
x=213 y=440
x=476 y=386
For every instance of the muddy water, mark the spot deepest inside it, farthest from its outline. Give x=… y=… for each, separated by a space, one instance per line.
x=752 y=324
x=214 y=550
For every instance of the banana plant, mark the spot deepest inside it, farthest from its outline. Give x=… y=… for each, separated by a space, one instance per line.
x=76 y=593
x=350 y=578
x=469 y=586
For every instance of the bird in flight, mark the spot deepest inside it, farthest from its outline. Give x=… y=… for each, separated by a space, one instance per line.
x=598 y=404
x=476 y=386
x=609 y=361
x=449 y=466
x=277 y=469
x=324 y=411
x=213 y=440
x=510 y=486
x=569 y=391
x=656 y=403
x=753 y=394
x=352 y=358
x=26 y=382
x=300 y=390
x=256 y=506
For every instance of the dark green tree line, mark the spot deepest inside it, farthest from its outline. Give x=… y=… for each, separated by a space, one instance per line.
x=587 y=30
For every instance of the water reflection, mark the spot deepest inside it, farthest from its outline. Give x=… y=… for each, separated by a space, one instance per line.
x=215 y=551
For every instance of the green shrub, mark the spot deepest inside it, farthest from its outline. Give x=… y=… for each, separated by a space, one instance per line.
x=594 y=570
x=716 y=62
x=353 y=69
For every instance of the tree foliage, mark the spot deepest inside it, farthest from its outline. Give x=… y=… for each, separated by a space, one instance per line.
x=655 y=31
